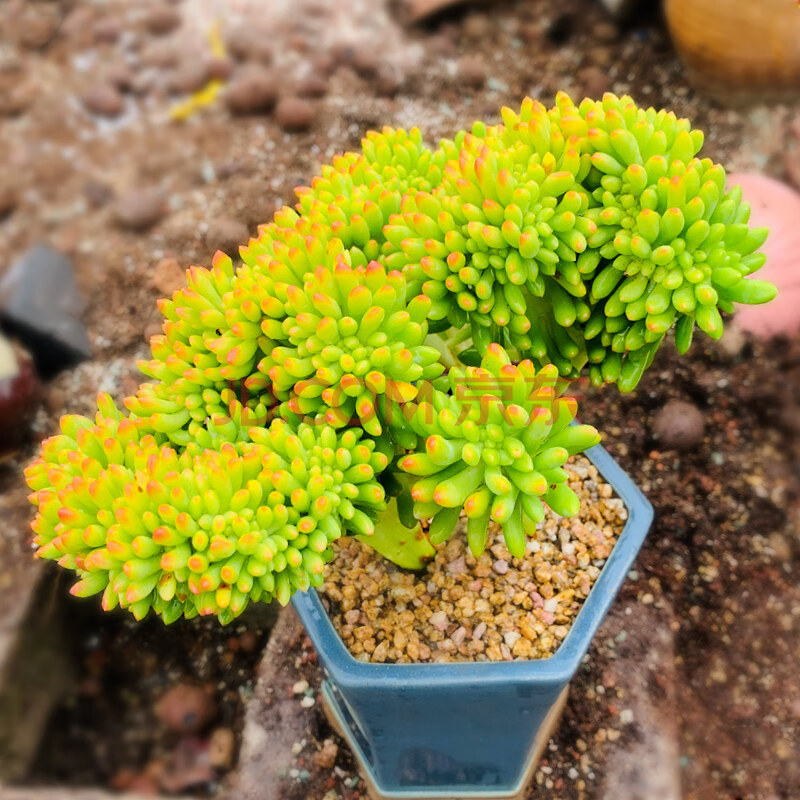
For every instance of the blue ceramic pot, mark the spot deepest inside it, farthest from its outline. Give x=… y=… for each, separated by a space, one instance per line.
x=465 y=730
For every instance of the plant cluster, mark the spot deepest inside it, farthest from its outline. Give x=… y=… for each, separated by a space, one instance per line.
x=395 y=349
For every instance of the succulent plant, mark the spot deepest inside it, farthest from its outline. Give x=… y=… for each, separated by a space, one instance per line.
x=392 y=352
x=494 y=448
x=353 y=336
x=205 y=530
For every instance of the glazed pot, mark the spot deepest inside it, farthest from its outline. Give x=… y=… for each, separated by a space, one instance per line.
x=465 y=730
x=739 y=50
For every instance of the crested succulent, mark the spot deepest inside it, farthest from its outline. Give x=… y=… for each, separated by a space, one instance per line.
x=494 y=448
x=391 y=356
x=205 y=530
x=353 y=336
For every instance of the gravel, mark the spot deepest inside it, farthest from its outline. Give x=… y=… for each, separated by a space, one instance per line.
x=497 y=608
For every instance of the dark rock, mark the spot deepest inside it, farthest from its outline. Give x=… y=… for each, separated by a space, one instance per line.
x=227 y=234
x=253 y=90
x=679 y=425
x=471 y=72
x=40 y=304
x=294 y=114
x=186 y=708
x=560 y=28
x=105 y=100
x=20 y=395
x=139 y=209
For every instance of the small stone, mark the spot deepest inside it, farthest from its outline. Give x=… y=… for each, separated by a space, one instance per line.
x=105 y=100
x=252 y=90
x=106 y=31
x=159 y=54
x=439 y=620
x=594 y=81
x=97 y=193
x=312 y=86
x=168 y=276
x=219 y=68
x=679 y=425
x=626 y=716
x=308 y=702
x=186 y=708
x=294 y=114
x=500 y=566
x=221 y=747
x=477 y=27
x=301 y=687
x=189 y=76
x=249 y=641
x=246 y=43
x=139 y=209
x=605 y=32
x=733 y=341
x=8 y=200
x=457 y=567
x=352 y=616
x=226 y=234
x=326 y=757
x=480 y=630
x=365 y=61
x=121 y=77
x=621 y=9
x=471 y=72
x=162 y=20
x=458 y=636
x=387 y=82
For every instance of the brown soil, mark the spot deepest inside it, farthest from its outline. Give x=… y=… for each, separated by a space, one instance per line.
x=107 y=729
x=488 y=608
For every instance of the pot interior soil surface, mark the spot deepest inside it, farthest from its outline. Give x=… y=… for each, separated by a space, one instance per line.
x=493 y=607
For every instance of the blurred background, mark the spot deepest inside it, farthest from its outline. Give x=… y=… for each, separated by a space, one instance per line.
x=136 y=138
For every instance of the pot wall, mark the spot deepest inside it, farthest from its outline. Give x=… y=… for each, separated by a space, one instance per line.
x=464 y=730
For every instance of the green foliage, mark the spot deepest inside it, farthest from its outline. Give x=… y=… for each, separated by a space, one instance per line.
x=494 y=447
x=205 y=530
x=394 y=350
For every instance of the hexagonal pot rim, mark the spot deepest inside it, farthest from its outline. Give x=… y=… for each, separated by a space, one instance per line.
x=347 y=671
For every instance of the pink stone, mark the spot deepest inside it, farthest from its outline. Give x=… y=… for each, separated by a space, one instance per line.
x=777 y=207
